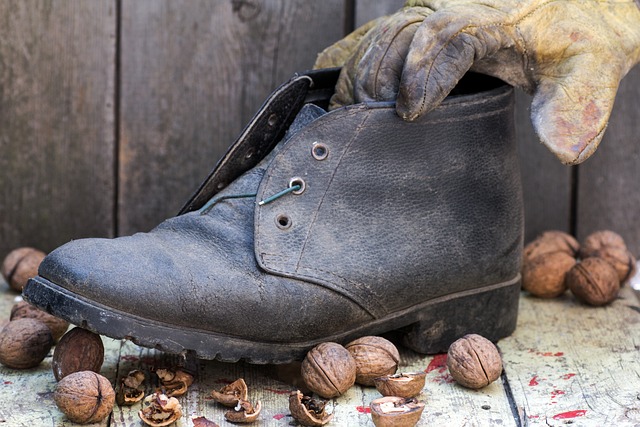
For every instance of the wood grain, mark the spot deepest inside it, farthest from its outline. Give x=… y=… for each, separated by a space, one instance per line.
x=608 y=182
x=192 y=76
x=56 y=121
x=367 y=10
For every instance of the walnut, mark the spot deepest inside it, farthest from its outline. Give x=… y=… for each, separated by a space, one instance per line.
x=20 y=265
x=395 y=411
x=474 y=361
x=57 y=326
x=85 y=397
x=611 y=247
x=174 y=382
x=407 y=384
x=159 y=410
x=243 y=412
x=24 y=343
x=130 y=390
x=329 y=370
x=78 y=350
x=544 y=275
x=374 y=357
x=308 y=411
x=551 y=241
x=601 y=239
x=231 y=394
x=594 y=281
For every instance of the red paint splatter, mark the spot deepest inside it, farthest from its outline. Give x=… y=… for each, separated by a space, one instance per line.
x=570 y=414
x=279 y=416
x=568 y=376
x=276 y=391
x=546 y=353
x=533 y=416
x=129 y=358
x=534 y=381
x=363 y=409
x=556 y=393
x=439 y=362
x=8 y=382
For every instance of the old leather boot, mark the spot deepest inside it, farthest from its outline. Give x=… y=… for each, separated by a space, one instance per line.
x=323 y=228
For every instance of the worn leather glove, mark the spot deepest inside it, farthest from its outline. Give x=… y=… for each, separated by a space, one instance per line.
x=570 y=54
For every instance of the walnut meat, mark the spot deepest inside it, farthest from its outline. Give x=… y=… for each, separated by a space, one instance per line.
x=78 y=350
x=160 y=410
x=84 y=397
x=544 y=275
x=594 y=281
x=20 y=265
x=329 y=370
x=407 y=384
x=24 y=343
x=131 y=390
x=57 y=326
x=374 y=357
x=231 y=394
x=474 y=361
x=395 y=411
x=308 y=411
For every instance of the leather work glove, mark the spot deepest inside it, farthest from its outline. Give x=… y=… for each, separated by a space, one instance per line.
x=570 y=54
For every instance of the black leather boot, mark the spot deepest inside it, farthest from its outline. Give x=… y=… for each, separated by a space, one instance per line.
x=319 y=227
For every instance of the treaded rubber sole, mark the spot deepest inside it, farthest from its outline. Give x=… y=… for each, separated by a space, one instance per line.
x=428 y=328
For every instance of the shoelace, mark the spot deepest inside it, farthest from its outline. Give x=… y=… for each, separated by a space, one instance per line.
x=211 y=203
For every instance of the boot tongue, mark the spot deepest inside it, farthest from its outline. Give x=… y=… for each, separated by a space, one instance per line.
x=247 y=184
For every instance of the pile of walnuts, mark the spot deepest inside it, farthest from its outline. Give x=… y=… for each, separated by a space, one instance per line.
x=593 y=271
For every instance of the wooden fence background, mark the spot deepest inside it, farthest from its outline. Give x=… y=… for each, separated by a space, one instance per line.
x=113 y=111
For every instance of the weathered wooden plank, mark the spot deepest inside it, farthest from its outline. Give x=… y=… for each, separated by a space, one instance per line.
x=57 y=67
x=546 y=183
x=367 y=10
x=192 y=75
x=608 y=196
x=569 y=363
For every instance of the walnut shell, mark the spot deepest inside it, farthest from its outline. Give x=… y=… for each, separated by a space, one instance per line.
x=24 y=343
x=620 y=258
x=407 y=384
x=474 y=361
x=551 y=241
x=544 y=275
x=174 y=382
x=395 y=411
x=160 y=410
x=329 y=370
x=601 y=239
x=20 y=265
x=57 y=326
x=231 y=394
x=78 y=350
x=308 y=411
x=243 y=412
x=131 y=390
x=374 y=357
x=85 y=397
x=594 y=281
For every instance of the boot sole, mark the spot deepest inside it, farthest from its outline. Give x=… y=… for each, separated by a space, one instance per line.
x=427 y=328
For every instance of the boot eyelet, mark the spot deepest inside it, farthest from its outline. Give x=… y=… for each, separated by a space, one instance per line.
x=297 y=181
x=283 y=222
x=319 y=151
x=272 y=120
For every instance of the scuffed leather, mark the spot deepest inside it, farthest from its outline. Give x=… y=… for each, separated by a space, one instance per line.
x=398 y=213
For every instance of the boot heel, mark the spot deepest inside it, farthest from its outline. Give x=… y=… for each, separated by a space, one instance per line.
x=492 y=313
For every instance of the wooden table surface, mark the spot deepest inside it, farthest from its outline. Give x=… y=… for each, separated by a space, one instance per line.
x=566 y=364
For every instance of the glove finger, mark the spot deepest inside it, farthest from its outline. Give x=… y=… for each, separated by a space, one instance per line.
x=571 y=107
x=344 y=94
x=379 y=70
x=444 y=48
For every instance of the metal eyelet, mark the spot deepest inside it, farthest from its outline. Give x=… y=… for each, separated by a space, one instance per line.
x=283 y=222
x=297 y=181
x=319 y=151
x=273 y=119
